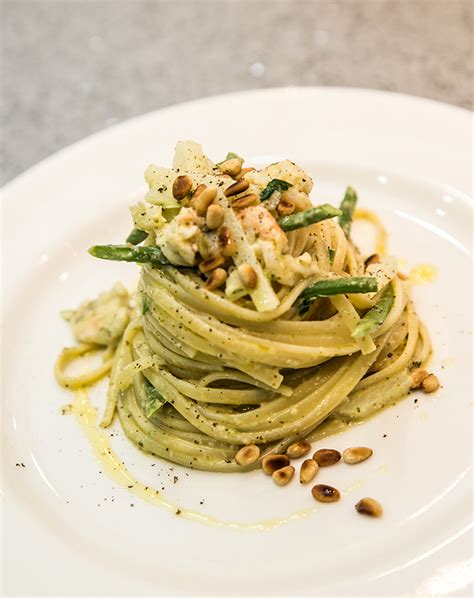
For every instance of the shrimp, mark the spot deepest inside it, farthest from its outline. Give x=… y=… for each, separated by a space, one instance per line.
x=259 y=225
x=270 y=244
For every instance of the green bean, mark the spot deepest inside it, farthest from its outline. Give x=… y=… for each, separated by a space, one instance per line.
x=347 y=207
x=339 y=286
x=301 y=219
x=375 y=317
x=125 y=253
x=136 y=236
x=336 y=286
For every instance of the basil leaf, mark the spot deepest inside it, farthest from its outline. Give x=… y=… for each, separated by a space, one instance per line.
x=274 y=185
x=154 y=399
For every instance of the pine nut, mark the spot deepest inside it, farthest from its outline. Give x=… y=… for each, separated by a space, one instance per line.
x=402 y=276
x=247 y=455
x=430 y=384
x=283 y=476
x=216 y=279
x=232 y=166
x=372 y=259
x=206 y=247
x=326 y=457
x=214 y=216
x=203 y=200
x=236 y=188
x=417 y=377
x=324 y=493
x=211 y=264
x=308 y=470
x=247 y=275
x=356 y=454
x=244 y=201
x=370 y=507
x=181 y=186
x=242 y=173
x=274 y=461
x=285 y=209
x=226 y=242
x=199 y=189
x=298 y=449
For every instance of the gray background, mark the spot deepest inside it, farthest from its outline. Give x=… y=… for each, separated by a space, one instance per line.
x=73 y=67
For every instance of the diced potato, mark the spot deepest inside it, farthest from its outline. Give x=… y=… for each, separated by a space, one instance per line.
x=147 y=217
x=189 y=157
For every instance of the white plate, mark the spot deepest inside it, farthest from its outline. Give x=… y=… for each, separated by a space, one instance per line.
x=410 y=161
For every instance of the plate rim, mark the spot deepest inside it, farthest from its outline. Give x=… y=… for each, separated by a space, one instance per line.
x=456 y=111
x=63 y=153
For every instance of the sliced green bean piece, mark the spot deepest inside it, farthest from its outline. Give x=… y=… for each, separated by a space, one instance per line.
x=125 y=253
x=308 y=217
x=136 y=236
x=375 y=317
x=339 y=286
x=347 y=207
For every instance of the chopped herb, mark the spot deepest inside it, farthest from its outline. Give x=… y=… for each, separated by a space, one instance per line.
x=155 y=399
x=274 y=185
x=331 y=254
x=230 y=156
x=145 y=304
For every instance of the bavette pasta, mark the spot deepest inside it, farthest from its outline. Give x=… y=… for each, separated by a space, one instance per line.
x=256 y=321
